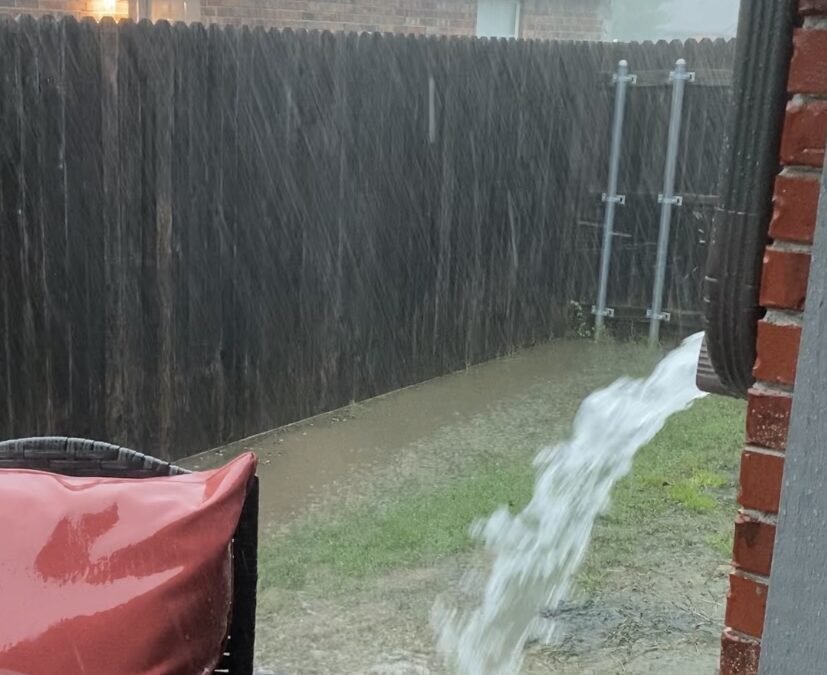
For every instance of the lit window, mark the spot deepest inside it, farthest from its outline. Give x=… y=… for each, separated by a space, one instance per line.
x=498 y=18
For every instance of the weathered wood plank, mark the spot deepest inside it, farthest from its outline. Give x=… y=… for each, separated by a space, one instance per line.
x=34 y=372
x=11 y=354
x=112 y=234
x=84 y=224
x=227 y=142
x=203 y=311
x=136 y=227
x=161 y=81
x=52 y=223
x=149 y=63
x=181 y=231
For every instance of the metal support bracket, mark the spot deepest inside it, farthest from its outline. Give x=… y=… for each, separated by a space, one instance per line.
x=630 y=79
x=617 y=199
x=662 y=316
x=677 y=200
x=609 y=312
x=688 y=77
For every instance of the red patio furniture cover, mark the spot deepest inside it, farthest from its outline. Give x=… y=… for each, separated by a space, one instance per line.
x=106 y=576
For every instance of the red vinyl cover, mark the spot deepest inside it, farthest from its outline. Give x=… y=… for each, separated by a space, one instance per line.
x=106 y=576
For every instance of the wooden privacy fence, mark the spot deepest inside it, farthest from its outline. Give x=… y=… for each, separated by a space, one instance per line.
x=206 y=233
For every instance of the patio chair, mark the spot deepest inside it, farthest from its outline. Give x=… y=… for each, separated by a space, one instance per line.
x=80 y=457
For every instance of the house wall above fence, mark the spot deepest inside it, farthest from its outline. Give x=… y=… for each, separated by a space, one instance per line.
x=537 y=19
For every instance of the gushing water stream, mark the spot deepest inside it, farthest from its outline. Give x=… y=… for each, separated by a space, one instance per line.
x=537 y=552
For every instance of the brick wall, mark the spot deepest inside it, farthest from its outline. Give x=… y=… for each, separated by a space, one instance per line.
x=783 y=294
x=119 y=9
x=539 y=19
x=563 y=19
x=431 y=17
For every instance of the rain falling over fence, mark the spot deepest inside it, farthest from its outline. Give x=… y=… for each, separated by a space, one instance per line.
x=220 y=231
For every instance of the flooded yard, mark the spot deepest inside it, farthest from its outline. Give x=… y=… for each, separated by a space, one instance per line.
x=427 y=429
x=366 y=510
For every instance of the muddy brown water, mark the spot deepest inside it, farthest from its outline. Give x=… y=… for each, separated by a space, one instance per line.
x=305 y=462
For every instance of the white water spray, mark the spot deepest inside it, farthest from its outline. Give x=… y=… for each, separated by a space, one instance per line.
x=537 y=552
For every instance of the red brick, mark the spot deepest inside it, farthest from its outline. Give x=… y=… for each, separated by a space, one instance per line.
x=746 y=605
x=760 y=481
x=768 y=419
x=455 y=17
x=739 y=655
x=777 y=352
x=808 y=68
x=805 y=133
x=752 y=548
x=784 y=279
x=796 y=204
x=809 y=7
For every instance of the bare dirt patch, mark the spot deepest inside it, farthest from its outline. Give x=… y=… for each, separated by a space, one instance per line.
x=659 y=618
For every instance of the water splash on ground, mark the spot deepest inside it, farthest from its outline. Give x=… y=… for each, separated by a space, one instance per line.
x=537 y=552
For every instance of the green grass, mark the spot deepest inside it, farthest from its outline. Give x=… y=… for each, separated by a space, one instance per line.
x=687 y=464
x=420 y=527
x=721 y=543
x=680 y=490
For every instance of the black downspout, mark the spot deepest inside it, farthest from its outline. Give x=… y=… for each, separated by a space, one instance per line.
x=745 y=187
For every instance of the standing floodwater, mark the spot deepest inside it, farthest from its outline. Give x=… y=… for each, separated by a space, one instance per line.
x=537 y=552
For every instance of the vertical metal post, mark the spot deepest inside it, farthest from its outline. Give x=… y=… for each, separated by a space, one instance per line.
x=668 y=199
x=621 y=80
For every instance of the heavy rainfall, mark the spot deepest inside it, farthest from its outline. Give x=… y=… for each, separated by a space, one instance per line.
x=391 y=257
